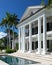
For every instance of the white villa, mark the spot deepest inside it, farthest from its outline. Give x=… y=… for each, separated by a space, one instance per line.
x=35 y=30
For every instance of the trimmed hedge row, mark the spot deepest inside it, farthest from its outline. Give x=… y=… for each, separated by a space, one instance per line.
x=10 y=51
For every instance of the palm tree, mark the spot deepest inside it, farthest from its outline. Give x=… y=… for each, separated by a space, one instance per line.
x=10 y=21
x=42 y=3
x=7 y=24
x=49 y=3
x=4 y=24
x=8 y=18
x=14 y=20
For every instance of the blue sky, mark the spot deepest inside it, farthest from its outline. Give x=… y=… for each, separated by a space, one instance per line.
x=16 y=6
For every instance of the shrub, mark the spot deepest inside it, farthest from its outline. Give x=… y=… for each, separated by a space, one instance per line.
x=2 y=47
x=10 y=51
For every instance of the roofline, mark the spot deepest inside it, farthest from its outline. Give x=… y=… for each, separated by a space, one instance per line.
x=27 y=9
x=32 y=14
x=36 y=6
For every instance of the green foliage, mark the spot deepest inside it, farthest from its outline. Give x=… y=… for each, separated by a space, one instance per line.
x=10 y=51
x=1 y=41
x=2 y=47
x=42 y=3
x=17 y=46
x=49 y=4
x=8 y=48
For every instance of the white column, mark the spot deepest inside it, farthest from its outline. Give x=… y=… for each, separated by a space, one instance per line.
x=23 y=39
x=19 y=37
x=22 y=45
x=39 y=35
x=44 y=34
x=30 y=39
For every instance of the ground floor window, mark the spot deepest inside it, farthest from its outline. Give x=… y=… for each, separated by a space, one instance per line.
x=49 y=45
x=34 y=45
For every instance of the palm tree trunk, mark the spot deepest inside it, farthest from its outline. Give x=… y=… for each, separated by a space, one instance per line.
x=9 y=39
x=13 y=36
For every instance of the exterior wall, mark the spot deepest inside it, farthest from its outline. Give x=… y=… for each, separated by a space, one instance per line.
x=42 y=15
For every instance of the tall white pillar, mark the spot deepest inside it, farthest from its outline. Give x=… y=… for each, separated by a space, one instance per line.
x=23 y=39
x=39 y=35
x=44 y=35
x=19 y=37
x=30 y=39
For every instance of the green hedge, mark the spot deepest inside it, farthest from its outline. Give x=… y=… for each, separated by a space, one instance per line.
x=2 y=47
x=10 y=51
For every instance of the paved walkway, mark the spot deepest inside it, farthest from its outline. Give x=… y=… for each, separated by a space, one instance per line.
x=42 y=59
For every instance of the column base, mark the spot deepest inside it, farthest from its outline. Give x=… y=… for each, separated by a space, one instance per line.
x=19 y=51
x=29 y=51
x=38 y=53
x=44 y=53
x=23 y=51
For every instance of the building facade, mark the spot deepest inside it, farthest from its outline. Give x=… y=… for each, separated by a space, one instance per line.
x=35 y=30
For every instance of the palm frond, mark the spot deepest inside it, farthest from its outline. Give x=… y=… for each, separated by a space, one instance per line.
x=42 y=3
